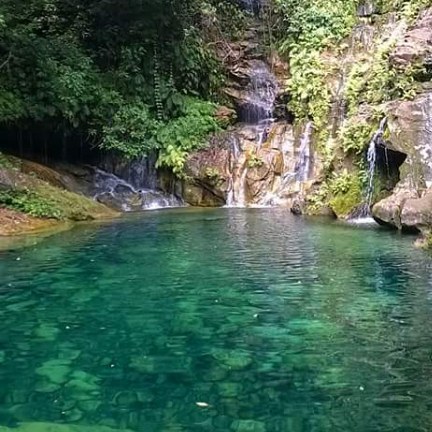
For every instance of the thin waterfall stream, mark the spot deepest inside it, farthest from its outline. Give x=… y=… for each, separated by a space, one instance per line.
x=371 y=159
x=365 y=211
x=304 y=160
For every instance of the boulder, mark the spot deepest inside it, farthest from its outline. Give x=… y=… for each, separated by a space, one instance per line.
x=416 y=213
x=388 y=211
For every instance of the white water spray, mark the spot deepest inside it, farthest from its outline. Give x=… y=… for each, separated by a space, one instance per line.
x=371 y=159
x=304 y=160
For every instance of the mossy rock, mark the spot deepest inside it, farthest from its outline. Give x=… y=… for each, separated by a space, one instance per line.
x=343 y=204
x=25 y=192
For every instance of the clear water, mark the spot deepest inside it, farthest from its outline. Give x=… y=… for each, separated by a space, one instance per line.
x=219 y=320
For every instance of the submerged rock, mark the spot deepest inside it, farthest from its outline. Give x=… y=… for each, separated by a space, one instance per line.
x=232 y=359
x=55 y=371
x=248 y=426
x=52 y=427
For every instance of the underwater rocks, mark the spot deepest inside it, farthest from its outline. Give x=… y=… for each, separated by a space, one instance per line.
x=51 y=427
x=248 y=426
x=232 y=359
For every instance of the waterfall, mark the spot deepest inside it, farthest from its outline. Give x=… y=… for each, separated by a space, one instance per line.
x=119 y=193
x=303 y=164
x=257 y=114
x=371 y=160
x=253 y=6
x=363 y=213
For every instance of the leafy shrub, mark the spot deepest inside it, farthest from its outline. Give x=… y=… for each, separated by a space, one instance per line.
x=180 y=136
x=131 y=131
x=31 y=203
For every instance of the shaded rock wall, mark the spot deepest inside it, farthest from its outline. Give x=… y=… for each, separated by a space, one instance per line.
x=410 y=125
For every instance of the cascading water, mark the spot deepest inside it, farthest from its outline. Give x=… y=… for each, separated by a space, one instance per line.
x=295 y=174
x=364 y=213
x=262 y=97
x=256 y=112
x=304 y=160
x=371 y=159
x=118 y=193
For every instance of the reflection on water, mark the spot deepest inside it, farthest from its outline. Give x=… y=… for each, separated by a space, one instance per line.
x=222 y=320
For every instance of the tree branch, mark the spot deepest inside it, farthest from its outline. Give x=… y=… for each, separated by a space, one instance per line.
x=6 y=61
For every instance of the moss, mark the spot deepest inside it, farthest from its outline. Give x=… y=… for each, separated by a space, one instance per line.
x=254 y=161
x=72 y=206
x=6 y=162
x=46 y=201
x=28 y=194
x=344 y=203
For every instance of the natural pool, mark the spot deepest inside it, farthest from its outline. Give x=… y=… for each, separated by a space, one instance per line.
x=217 y=320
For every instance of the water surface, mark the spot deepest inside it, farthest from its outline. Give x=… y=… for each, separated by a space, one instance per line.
x=217 y=320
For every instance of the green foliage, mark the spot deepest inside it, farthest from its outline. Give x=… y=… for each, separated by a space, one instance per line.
x=313 y=23
x=318 y=199
x=304 y=30
x=5 y=162
x=212 y=174
x=180 y=136
x=131 y=132
x=310 y=95
x=342 y=192
x=355 y=134
x=341 y=183
x=254 y=161
x=346 y=192
x=374 y=80
x=31 y=203
x=408 y=9
x=114 y=73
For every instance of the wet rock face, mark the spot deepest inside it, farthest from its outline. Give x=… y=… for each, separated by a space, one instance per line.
x=366 y=9
x=240 y=166
x=416 y=45
x=410 y=125
x=208 y=173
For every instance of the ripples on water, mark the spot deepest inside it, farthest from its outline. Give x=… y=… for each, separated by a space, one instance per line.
x=242 y=320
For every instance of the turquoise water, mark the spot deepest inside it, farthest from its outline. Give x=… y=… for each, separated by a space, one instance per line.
x=221 y=320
